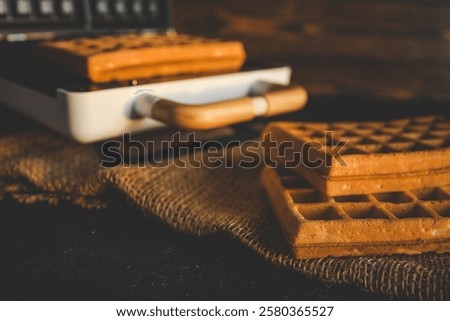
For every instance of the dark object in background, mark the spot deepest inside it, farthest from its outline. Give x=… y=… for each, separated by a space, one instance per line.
x=35 y=19
x=391 y=49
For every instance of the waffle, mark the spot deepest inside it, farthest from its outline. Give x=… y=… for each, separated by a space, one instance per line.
x=134 y=56
x=377 y=157
x=316 y=226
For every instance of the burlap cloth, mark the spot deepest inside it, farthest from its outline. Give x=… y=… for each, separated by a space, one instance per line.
x=39 y=166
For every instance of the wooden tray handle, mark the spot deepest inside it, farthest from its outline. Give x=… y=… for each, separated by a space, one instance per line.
x=264 y=100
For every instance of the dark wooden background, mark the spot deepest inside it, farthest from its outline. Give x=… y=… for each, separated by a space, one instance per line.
x=391 y=49
x=371 y=49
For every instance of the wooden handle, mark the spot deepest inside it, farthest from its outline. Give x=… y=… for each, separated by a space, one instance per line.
x=275 y=99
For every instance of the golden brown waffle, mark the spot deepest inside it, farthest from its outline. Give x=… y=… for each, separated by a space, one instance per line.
x=134 y=56
x=316 y=226
x=377 y=156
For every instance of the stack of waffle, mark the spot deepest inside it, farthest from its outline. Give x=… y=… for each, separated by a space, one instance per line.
x=361 y=188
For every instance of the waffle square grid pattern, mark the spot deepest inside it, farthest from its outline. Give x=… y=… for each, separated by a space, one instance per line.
x=104 y=44
x=136 y=56
x=402 y=135
x=408 y=222
x=369 y=157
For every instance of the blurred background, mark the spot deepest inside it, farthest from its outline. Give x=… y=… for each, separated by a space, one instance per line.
x=396 y=50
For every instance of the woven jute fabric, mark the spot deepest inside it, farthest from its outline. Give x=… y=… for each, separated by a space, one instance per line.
x=40 y=166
